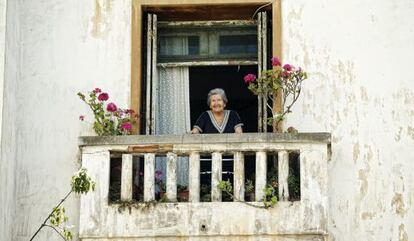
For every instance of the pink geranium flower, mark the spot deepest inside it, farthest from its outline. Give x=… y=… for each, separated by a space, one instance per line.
x=126 y=126
x=249 y=78
x=287 y=67
x=97 y=90
x=276 y=61
x=285 y=74
x=111 y=107
x=103 y=96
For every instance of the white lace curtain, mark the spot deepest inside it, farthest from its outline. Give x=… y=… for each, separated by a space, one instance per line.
x=173 y=110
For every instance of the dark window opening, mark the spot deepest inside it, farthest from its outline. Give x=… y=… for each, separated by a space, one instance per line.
x=115 y=179
x=229 y=78
x=294 y=176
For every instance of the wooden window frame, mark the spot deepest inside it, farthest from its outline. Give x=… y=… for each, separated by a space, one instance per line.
x=164 y=6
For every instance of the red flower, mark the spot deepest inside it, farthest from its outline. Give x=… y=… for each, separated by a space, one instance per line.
x=97 y=90
x=103 y=97
x=82 y=117
x=111 y=107
x=285 y=74
x=129 y=111
x=126 y=126
x=276 y=61
x=287 y=67
x=249 y=78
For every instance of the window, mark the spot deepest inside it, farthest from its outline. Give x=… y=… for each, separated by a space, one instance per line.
x=185 y=59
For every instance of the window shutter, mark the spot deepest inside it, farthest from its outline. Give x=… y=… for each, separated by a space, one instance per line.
x=152 y=87
x=262 y=65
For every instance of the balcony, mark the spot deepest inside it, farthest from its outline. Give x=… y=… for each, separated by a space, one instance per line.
x=304 y=219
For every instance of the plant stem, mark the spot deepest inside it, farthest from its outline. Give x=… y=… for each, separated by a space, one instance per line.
x=240 y=201
x=57 y=231
x=44 y=222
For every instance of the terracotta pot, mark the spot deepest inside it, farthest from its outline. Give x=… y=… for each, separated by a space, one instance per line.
x=182 y=196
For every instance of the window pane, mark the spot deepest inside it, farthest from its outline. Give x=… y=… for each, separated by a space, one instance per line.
x=238 y=44
x=179 y=45
x=207 y=43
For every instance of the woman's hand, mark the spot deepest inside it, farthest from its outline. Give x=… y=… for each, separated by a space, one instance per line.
x=195 y=131
x=238 y=130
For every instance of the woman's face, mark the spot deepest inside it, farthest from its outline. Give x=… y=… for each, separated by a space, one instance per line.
x=217 y=104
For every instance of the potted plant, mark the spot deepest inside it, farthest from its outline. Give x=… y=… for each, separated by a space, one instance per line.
x=109 y=119
x=182 y=193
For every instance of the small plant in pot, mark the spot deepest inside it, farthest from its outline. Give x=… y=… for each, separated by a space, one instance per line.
x=182 y=193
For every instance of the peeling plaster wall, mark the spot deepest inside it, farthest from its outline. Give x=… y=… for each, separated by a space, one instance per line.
x=361 y=89
x=358 y=54
x=54 y=49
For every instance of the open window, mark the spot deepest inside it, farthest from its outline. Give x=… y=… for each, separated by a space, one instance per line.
x=185 y=59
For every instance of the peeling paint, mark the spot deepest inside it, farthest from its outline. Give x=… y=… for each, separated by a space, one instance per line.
x=364 y=95
x=369 y=155
x=364 y=182
x=398 y=202
x=367 y=215
x=410 y=131
x=101 y=19
x=398 y=134
x=356 y=152
x=402 y=234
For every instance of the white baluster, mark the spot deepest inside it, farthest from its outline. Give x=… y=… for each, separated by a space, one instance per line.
x=261 y=166
x=171 y=177
x=194 y=177
x=283 y=167
x=126 y=178
x=149 y=169
x=216 y=169
x=238 y=176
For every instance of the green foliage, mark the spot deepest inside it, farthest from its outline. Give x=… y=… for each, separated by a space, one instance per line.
x=248 y=186
x=270 y=199
x=81 y=183
x=58 y=216
x=226 y=186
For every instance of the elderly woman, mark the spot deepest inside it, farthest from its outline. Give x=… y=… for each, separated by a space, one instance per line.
x=218 y=120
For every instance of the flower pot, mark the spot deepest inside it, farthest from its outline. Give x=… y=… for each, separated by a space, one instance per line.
x=183 y=196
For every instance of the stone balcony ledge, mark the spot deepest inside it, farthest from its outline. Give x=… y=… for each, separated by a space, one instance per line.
x=303 y=138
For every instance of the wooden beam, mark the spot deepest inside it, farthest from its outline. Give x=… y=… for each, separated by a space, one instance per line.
x=136 y=33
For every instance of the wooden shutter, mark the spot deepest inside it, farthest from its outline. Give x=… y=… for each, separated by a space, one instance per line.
x=151 y=80
x=262 y=60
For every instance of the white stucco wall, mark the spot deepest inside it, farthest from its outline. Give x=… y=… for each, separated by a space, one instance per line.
x=54 y=49
x=361 y=89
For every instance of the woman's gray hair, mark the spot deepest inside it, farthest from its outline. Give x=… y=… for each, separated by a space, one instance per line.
x=217 y=91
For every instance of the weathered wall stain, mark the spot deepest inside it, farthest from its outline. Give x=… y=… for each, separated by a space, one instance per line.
x=367 y=215
x=402 y=233
x=410 y=131
x=398 y=134
x=101 y=19
x=398 y=203
x=356 y=152
x=362 y=176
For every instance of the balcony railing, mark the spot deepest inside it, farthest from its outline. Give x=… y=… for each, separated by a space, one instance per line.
x=305 y=218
